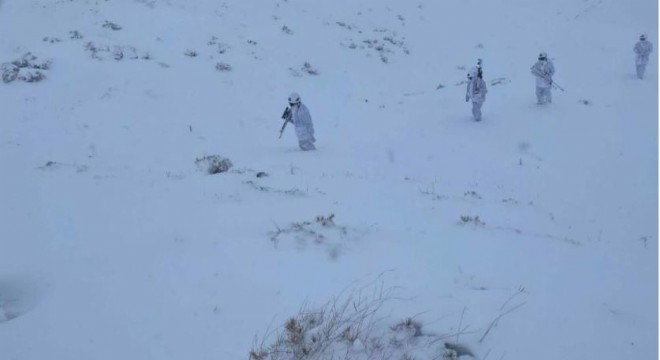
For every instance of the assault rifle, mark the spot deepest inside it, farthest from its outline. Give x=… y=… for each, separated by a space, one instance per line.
x=552 y=82
x=554 y=85
x=480 y=73
x=287 y=119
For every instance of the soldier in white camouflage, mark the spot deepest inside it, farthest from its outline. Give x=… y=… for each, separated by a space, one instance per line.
x=302 y=120
x=642 y=49
x=543 y=69
x=476 y=91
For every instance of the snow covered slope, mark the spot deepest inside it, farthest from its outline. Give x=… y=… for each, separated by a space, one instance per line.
x=128 y=251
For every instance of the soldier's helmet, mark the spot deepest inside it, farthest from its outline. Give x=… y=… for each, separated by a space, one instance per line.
x=294 y=98
x=472 y=73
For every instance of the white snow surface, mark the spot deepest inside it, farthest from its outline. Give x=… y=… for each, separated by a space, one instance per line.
x=133 y=253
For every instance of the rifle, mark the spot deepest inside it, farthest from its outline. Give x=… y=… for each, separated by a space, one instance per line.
x=480 y=73
x=554 y=85
x=552 y=82
x=287 y=119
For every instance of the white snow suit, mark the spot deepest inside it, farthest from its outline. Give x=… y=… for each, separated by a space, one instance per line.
x=476 y=91
x=304 y=127
x=543 y=70
x=642 y=50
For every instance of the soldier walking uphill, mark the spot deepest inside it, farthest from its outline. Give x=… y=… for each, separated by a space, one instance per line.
x=642 y=50
x=544 y=69
x=298 y=114
x=476 y=91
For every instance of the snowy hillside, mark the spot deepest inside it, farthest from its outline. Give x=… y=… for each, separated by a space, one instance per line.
x=531 y=234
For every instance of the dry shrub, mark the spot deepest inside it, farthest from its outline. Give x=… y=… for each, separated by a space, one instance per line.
x=351 y=326
x=213 y=164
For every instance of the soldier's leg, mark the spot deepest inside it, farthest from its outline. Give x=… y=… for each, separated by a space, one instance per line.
x=539 y=95
x=476 y=110
x=548 y=95
x=306 y=145
x=640 y=71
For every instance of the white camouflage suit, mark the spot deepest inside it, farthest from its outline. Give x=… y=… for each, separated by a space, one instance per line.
x=544 y=69
x=642 y=50
x=302 y=120
x=476 y=91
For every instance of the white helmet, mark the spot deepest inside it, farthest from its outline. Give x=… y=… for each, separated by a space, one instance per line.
x=543 y=55
x=294 y=98
x=472 y=73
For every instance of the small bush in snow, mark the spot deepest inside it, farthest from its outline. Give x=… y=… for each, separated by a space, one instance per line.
x=472 y=194
x=393 y=41
x=222 y=47
x=223 y=66
x=286 y=30
x=31 y=76
x=190 y=53
x=316 y=232
x=326 y=221
x=97 y=50
x=350 y=327
x=28 y=60
x=26 y=69
x=414 y=327
x=213 y=164
x=322 y=232
x=75 y=35
x=344 y=25
x=111 y=25
x=115 y=52
x=9 y=72
x=385 y=46
x=148 y=3
x=308 y=68
x=51 y=40
x=41 y=66
x=121 y=52
x=466 y=219
x=384 y=59
x=213 y=41
x=23 y=61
